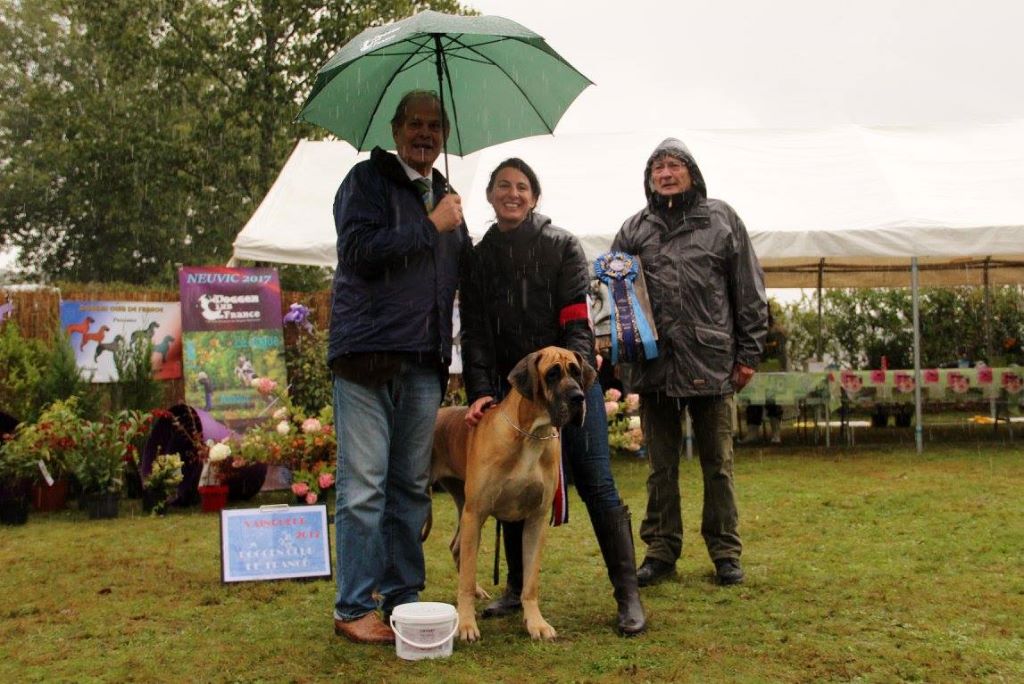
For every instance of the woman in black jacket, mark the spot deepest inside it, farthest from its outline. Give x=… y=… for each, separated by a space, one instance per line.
x=528 y=290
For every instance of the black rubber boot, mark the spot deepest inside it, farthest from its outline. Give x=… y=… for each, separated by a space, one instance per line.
x=510 y=602
x=615 y=536
x=728 y=571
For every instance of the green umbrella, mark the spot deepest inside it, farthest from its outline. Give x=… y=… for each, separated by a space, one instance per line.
x=498 y=81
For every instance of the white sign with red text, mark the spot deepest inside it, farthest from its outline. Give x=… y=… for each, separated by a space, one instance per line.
x=274 y=542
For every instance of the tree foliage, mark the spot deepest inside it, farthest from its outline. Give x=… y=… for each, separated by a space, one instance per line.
x=860 y=326
x=136 y=135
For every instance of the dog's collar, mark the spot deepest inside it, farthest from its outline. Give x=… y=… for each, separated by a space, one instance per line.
x=521 y=431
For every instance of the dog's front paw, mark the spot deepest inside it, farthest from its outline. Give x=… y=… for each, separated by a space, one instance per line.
x=481 y=594
x=540 y=629
x=468 y=631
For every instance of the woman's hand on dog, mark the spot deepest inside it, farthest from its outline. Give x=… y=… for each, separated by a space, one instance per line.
x=476 y=411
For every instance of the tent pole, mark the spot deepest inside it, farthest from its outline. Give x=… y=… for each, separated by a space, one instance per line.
x=988 y=328
x=820 y=356
x=918 y=427
x=821 y=280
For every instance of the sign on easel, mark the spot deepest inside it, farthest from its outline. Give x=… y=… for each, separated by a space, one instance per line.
x=273 y=543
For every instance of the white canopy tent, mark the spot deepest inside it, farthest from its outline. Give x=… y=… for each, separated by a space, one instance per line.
x=828 y=207
x=850 y=204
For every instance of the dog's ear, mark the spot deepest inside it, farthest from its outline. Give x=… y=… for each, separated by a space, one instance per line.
x=589 y=374
x=524 y=376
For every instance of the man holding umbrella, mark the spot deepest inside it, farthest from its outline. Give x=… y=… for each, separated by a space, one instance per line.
x=398 y=264
x=401 y=245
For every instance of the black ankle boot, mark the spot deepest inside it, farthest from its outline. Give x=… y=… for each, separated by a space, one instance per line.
x=615 y=536
x=510 y=602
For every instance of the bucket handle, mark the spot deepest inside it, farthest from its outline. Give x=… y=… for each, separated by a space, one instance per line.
x=425 y=646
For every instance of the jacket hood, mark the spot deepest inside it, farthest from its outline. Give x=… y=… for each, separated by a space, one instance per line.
x=675 y=148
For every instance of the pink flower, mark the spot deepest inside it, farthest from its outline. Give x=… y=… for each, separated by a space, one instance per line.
x=265 y=386
x=300 y=489
x=311 y=498
x=612 y=395
x=325 y=480
x=611 y=408
x=632 y=402
x=311 y=425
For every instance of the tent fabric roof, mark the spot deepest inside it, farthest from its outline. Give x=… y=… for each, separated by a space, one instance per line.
x=850 y=204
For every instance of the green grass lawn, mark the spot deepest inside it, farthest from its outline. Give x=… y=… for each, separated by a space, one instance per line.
x=867 y=564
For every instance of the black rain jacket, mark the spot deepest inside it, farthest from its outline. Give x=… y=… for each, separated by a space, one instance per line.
x=705 y=285
x=521 y=285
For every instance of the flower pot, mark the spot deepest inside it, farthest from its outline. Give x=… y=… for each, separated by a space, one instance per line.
x=213 y=498
x=13 y=506
x=247 y=481
x=101 y=505
x=47 y=498
x=154 y=501
x=133 y=488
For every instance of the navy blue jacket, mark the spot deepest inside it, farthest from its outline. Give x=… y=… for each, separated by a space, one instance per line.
x=395 y=283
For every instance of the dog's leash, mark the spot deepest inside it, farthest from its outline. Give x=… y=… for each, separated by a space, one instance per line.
x=554 y=430
x=497 y=551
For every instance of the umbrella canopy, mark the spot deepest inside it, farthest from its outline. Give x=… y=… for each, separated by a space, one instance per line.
x=498 y=80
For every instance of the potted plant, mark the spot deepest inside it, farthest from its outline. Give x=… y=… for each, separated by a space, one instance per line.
x=625 y=435
x=97 y=456
x=17 y=469
x=304 y=446
x=44 y=443
x=164 y=478
x=315 y=484
x=212 y=491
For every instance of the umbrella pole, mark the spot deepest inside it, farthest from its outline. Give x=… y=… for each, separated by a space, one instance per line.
x=438 y=56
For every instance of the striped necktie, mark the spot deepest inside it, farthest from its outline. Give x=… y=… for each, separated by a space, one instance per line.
x=426 y=192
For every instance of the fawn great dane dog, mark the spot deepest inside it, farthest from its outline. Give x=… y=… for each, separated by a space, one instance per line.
x=507 y=467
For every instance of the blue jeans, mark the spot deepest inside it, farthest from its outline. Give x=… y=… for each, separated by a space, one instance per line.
x=384 y=439
x=585 y=452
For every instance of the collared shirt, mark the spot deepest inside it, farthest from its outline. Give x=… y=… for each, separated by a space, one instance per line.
x=412 y=173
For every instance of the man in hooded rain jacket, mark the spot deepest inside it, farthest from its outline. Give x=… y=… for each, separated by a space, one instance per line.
x=710 y=310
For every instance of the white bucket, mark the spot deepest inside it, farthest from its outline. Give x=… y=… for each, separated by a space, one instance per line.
x=424 y=629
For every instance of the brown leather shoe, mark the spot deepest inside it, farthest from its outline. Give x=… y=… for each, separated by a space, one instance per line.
x=368 y=629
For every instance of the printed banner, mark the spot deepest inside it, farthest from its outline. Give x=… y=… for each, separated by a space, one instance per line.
x=938 y=385
x=98 y=330
x=234 y=346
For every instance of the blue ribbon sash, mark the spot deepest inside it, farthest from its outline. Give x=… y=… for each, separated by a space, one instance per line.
x=633 y=337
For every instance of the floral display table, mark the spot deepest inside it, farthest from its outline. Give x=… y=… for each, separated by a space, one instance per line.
x=784 y=389
x=815 y=394
x=938 y=385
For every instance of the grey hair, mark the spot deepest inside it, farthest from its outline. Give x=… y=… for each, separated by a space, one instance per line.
x=403 y=105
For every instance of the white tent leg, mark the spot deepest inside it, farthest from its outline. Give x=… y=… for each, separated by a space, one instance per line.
x=918 y=427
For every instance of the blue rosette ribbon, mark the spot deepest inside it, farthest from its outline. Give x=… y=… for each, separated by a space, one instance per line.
x=619 y=271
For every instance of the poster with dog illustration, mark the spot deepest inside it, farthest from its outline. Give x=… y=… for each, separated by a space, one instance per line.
x=103 y=334
x=234 y=343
